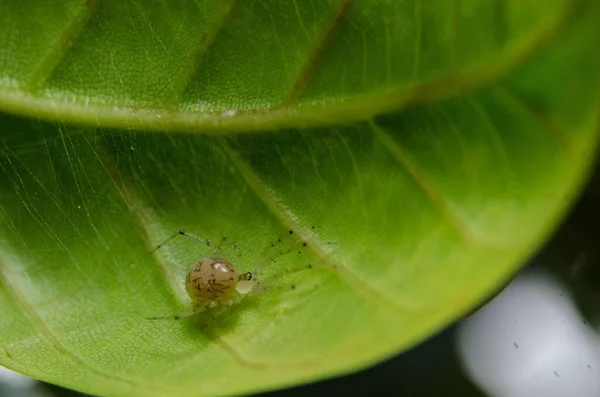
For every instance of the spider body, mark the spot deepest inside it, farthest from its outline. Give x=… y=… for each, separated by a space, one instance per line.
x=212 y=281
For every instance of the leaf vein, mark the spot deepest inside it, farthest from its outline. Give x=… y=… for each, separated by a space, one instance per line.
x=145 y=216
x=421 y=181
x=538 y=116
x=61 y=46
x=203 y=43
x=286 y=218
x=309 y=66
x=418 y=40
x=10 y=285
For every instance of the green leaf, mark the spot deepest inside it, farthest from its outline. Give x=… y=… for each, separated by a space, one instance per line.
x=423 y=150
x=225 y=65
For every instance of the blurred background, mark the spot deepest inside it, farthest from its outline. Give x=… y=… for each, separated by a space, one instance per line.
x=536 y=336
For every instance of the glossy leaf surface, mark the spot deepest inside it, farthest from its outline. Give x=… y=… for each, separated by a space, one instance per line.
x=407 y=215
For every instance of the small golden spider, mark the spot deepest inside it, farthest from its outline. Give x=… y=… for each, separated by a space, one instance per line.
x=214 y=281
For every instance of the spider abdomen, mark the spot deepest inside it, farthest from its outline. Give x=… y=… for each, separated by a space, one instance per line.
x=211 y=280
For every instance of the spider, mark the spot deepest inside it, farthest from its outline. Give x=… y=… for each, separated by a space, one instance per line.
x=214 y=281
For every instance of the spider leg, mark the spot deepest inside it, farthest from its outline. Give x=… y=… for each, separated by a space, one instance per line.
x=180 y=315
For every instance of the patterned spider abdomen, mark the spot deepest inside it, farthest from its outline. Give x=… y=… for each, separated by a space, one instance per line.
x=211 y=280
